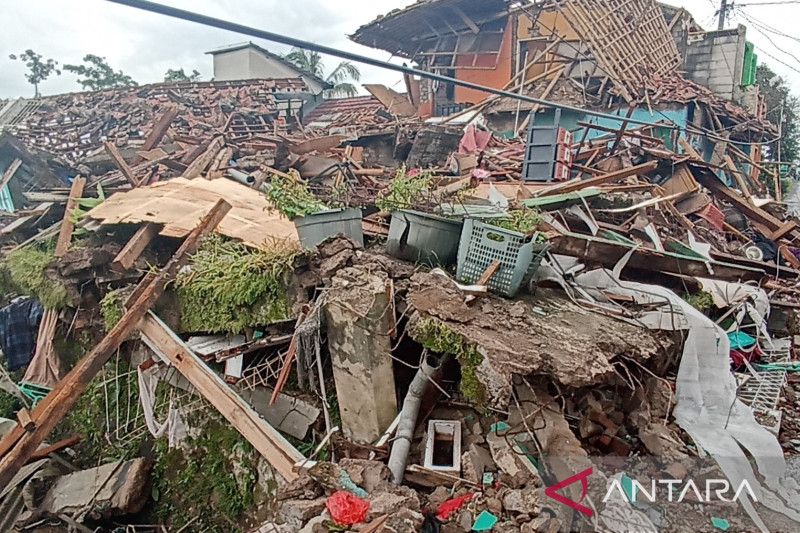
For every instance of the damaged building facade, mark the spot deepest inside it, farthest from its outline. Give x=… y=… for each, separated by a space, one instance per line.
x=236 y=306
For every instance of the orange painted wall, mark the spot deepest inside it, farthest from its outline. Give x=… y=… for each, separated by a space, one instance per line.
x=497 y=77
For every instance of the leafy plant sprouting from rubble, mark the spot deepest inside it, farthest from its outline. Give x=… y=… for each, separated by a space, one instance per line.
x=438 y=338
x=523 y=220
x=405 y=191
x=229 y=287
x=111 y=305
x=291 y=197
x=27 y=266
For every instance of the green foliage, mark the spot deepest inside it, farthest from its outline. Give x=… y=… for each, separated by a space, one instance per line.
x=97 y=74
x=405 y=191
x=178 y=76
x=781 y=102
x=702 y=301
x=342 y=77
x=438 y=338
x=213 y=480
x=523 y=220
x=291 y=197
x=9 y=405
x=27 y=269
x=39 y=69
x=111 y=306
x=230 y=287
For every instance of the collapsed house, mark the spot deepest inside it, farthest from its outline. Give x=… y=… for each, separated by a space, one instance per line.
x=231 y=307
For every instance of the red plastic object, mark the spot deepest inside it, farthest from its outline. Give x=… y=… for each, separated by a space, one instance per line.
x=451 y=506
x=347 y=509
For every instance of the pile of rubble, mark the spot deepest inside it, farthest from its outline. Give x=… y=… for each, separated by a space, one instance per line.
x=282 y=315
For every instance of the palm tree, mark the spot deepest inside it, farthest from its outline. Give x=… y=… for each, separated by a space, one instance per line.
x=341 y=78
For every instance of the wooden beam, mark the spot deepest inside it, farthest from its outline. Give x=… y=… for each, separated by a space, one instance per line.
x=17 y=446
x=605 y=178
x=25 y=420
x=135 y=246
x=468 y=21
x=199 y=165
x=489 y=273
x=43 y=453
x=264 y=438
x=159 y=129
x=9 y=173
x=121 y=164
x=67 y=225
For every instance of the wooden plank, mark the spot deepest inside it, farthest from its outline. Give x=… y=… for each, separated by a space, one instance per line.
x=55 y=406
x=135 y=246
x=65 y=235
x=199 y=165
x=159 y=129
x=264 y=438
x=43 y=453
x=605 y=178
x=9 y=173
x=489 y=273
x=468 y=21
x=25 y=420
x=121 y=164
x=781 y=232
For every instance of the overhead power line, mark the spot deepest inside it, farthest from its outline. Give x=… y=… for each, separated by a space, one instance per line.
x=190 y=16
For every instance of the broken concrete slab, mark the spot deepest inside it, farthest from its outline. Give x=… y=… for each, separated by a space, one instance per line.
x=564 y=342
x=109 y=490
x=296 y=513
x=288 y=414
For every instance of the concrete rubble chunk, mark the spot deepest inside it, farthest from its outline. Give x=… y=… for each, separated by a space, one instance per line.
x=113 y=489
x=388 y=502
x=369 y=475
x=297 y=513
x=527 y=501
x=404 y=521
x=289 y=415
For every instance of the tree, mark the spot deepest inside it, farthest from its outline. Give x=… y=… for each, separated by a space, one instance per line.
x=781 y=103
x=341 y=77
x=39 y=69
x=97 y=74
x=177 y=76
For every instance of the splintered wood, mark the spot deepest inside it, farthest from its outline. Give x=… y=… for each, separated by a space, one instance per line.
x=629 y=38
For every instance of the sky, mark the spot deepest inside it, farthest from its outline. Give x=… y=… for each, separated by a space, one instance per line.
x=145 y=45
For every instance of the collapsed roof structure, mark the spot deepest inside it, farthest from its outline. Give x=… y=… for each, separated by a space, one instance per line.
x=415 y=311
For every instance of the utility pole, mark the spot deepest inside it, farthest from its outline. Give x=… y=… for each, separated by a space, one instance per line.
x=723 y=13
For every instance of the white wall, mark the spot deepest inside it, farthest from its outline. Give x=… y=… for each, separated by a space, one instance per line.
x=249 y=63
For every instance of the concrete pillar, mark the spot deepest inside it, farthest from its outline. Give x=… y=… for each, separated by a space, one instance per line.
x=359 y=317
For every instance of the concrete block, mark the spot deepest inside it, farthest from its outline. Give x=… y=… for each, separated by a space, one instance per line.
x=289 y=415
x=296 y=513
x=113 y=489
x=359 y=319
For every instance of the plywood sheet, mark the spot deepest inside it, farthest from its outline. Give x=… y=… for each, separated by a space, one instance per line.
x=179 y=204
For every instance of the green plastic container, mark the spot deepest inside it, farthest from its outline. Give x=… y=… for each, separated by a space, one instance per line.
x=424 y=238
x=316 y=228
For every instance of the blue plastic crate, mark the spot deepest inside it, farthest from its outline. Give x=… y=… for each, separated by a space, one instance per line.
x=482 y=244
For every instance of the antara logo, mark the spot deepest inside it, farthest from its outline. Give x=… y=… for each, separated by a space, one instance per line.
x=583 y=477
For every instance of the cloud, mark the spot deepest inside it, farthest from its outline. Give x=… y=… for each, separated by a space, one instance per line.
x=145 y=45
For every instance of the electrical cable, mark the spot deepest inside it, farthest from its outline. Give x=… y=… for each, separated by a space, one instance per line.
x=153 y=7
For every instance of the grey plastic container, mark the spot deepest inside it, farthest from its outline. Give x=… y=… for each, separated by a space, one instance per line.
x=424 y=238
x=483 y=244
x=314 y=229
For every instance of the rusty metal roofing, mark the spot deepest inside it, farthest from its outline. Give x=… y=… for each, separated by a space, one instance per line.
x=401 y=31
